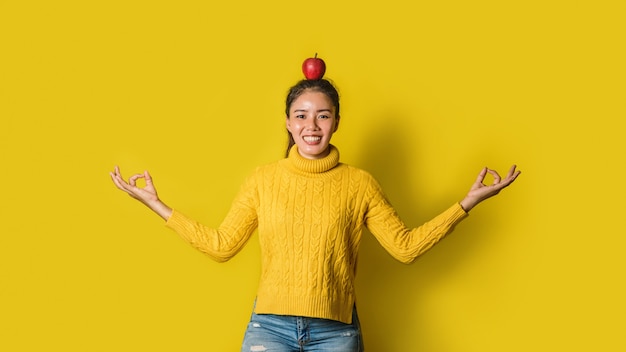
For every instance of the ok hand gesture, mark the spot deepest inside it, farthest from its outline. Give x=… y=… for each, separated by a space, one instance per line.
x=146 y=195
x=480 y=191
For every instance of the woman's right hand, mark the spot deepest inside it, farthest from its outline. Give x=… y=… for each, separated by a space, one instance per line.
x=147 y=194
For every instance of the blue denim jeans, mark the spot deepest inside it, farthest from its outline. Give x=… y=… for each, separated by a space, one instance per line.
x=284 y=333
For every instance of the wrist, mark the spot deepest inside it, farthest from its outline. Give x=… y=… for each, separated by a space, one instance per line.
x=160 y=208
x=468 y=204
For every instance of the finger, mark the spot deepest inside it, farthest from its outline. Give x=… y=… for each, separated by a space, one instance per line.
x=512 y=175
x=512 y=171
x=119 y=183
x=147 y=177
x=115 y=175
x=496 y=176
x=119 y=180
x=133 y=179
x=113 y=178
x=117 y=172
x=481 y=175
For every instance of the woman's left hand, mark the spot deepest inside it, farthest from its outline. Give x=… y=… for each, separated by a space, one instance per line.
x=480 y=191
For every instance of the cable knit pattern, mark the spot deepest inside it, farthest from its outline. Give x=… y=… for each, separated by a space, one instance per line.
x=310 y=216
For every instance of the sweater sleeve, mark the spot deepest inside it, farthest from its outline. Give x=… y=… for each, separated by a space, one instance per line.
x=403 y=243
x=223 y=242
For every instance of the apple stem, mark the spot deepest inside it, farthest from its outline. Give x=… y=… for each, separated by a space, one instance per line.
x=315 y=56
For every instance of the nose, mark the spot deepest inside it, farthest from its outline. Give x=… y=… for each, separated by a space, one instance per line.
x=311 y=124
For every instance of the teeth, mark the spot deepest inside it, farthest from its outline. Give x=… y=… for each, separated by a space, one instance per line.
x=312 y=139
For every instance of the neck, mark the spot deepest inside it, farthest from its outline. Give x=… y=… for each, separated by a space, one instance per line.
x=313 y=166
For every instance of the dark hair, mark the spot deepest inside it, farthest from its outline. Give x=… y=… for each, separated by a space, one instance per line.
x=316 y=85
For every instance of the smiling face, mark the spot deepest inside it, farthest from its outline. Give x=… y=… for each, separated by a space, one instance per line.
x=312 y=122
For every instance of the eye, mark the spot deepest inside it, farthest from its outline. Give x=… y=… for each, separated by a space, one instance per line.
x=323 y=117
x=300 y=117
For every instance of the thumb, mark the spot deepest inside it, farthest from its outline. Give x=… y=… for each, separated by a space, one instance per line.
x=148 y=179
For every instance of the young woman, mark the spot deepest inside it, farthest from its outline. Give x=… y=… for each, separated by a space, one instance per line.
x=310 y=211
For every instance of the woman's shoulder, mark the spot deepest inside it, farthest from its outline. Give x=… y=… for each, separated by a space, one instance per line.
x=268 y=168
x=358 y=173
x=355 y=169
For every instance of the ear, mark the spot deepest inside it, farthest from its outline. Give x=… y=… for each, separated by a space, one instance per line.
x=287 y=124
x=336 y=123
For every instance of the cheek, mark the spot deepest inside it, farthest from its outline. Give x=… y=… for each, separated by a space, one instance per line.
x=294 y=126
x=332 y=127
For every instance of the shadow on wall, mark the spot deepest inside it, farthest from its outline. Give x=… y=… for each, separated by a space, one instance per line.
x=389 y=292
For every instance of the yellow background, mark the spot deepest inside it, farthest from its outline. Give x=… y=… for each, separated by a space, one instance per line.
x=193 y=91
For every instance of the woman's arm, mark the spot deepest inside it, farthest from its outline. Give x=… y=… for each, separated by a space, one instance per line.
x=406 y=244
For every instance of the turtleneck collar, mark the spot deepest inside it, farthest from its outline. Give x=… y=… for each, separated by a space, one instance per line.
x=313 y=166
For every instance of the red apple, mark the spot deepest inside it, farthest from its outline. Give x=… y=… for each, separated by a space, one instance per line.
x=314 y=68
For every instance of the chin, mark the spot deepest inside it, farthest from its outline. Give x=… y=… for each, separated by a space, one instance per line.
x=313 y=153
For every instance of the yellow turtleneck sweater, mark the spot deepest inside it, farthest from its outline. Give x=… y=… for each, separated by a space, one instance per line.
x=310 y=216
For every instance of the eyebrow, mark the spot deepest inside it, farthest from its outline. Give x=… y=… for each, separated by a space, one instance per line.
x=321 y=110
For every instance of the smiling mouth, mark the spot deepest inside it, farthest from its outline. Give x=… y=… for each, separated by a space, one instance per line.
x=312 y=139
